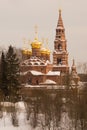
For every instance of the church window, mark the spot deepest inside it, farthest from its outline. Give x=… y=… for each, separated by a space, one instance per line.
x=37 y=82
x=29 y=81
x=35 y=63
x=62 y=31
x=41 y=63
x=29 y=63
x=59 y=30
x=59 y=61
x=59 y=47
x=23 y=64
x=59 y=36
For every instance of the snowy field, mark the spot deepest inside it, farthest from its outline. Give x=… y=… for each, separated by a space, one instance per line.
x=6 y=122
x=23 y=124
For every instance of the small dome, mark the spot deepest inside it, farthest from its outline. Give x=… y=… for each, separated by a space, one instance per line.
x=48 y=52
x=36 y=44
x=26 y=52
x=43 y=51
x=29 y=52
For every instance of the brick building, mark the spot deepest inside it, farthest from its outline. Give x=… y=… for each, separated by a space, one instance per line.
x=36 y=67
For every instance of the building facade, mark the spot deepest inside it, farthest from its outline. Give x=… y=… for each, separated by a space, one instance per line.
x=60 y=54
x=36 y=67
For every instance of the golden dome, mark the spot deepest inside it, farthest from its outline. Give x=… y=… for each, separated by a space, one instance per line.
x=26 y=52
x=29 y=52
x=45 y=51
x=48 y=52
x=36 y=44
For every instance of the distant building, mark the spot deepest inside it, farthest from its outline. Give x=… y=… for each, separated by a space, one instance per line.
x=36 y=67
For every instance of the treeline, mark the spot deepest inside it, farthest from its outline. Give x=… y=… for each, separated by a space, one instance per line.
x=83 y=77
x=62 y=110
x=9 y=74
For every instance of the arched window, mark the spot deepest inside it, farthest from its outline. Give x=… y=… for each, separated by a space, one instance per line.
x=59 y=47
x=36 y=63
x=59 y=30
x=37 y=82
x=29 y=80
x=23 y=64
x=59 y=36
x=41 y=63
x=59 y=61
x=29 y=63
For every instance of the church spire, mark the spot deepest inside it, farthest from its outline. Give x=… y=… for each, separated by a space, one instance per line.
x=60 y=31
x=60 y=21
x=60 y=54
x=73 y=63
x=73 y=67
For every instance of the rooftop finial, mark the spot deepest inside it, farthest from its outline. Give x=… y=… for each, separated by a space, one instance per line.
x=42 y=41
x=47 y=43
x=73 y=62
x=29 y=43
x=59 y=11
x=36 y=31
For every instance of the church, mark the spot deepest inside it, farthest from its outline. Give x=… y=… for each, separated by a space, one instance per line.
x=36 y=67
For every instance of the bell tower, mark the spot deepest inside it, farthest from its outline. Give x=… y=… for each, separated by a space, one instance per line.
x=60 y=54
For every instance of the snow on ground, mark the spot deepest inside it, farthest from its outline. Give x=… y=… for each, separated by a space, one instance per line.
x=23 y=124
x=6 y=123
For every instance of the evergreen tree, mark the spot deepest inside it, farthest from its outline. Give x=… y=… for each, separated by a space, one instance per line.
x=3 y=75
x=12 y=72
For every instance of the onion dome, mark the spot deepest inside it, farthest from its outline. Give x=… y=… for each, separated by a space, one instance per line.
x=27 y=52
x=36 y=44
x=48 y=52
x=43 y=51
x=24 y=51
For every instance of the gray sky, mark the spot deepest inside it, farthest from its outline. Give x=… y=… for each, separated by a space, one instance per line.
x=18 y=18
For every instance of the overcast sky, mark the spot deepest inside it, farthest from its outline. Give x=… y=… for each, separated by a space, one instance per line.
x=18 y=18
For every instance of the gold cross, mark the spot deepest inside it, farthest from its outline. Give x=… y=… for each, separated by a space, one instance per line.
x=36 y=31
x=47 y=43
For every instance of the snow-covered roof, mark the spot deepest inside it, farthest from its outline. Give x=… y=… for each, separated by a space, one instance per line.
x=53 y=73
x=35 y=61
x=33 y=72
x=48 y=81
x=24 y=73
x=33 y=86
